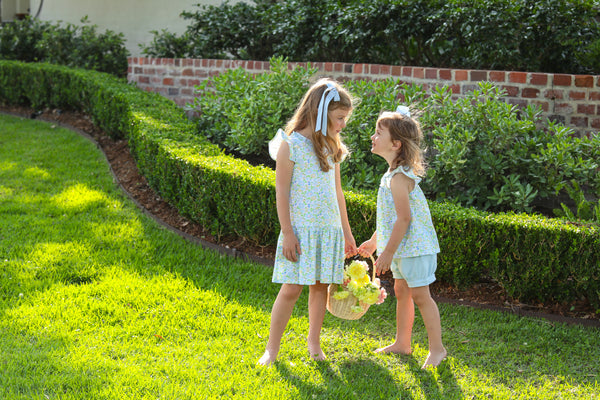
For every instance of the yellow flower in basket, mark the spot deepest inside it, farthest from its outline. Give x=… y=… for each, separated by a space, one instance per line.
x=356 y=293
x=357 y=269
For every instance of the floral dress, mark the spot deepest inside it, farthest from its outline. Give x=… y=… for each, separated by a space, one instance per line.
x=315 y=217
x=420 y=238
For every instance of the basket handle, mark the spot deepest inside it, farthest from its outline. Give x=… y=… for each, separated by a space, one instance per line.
x=372 y=263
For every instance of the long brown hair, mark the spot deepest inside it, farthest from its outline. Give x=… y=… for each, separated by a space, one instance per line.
x=407 y=130
x=306 y=116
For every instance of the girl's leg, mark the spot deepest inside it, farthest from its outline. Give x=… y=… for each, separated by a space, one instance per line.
x=431 y=318
x=405 y=316
x=280 y=315
x=317 y=302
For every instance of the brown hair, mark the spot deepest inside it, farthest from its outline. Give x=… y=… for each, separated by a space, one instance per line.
x=408 y=131
x=306 y=116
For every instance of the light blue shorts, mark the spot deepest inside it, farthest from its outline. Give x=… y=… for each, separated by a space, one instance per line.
x=416 y=271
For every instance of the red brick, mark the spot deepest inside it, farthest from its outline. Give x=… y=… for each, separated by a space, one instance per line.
x=407 y=71
x=396 y=70
x=144 y=79
x=563 y=108
x=461 y=75
x=544 y=105
x=418 y=73
x=586 y=109
x=530 y=93
x=384 y=69
x=357 y=68
x=517 y=77
x=553 y=94
x=477 y=76
x=455 y=89
x=497 y=76
x=188 y=62
x=576 y=95
x=167 y=81
x=579 y=121
x=562 y=80
x=584 y=81
x=595 y=123
x=511 y=91
x=431 y=73
x=375 y=69
x=187 y=72
x=446 y=74
x=539 y=79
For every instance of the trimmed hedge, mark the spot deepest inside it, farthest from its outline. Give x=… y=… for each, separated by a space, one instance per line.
x=533 y=258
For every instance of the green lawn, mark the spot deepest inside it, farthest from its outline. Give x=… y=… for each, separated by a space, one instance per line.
x=97 y=301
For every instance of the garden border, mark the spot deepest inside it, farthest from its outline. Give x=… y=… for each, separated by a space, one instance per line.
x=195 y=177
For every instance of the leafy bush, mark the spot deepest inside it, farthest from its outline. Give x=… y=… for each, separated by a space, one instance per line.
x=31 y=40
x=242 y=112
x=482 y=151
x=533 y=258
x=524 y=35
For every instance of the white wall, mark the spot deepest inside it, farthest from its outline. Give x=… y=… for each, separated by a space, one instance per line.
x=9 y=9
x=134 y=18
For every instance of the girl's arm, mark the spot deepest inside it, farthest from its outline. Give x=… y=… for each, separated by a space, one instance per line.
x=283 y=180
x=350 y=243
x=401 y=185
x=368 y=247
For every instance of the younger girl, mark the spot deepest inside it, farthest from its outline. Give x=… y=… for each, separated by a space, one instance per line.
x=405 y=238
x=312 y=211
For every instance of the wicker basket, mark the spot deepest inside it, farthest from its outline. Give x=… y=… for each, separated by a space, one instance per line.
x=343 y=308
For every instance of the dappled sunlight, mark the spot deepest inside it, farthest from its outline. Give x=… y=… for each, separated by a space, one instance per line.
x=35 y=173
x=7 y=165
x=79 y=197
x=6 y=191
x=158 y=124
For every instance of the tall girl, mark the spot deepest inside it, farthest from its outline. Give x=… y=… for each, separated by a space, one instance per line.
x=315 y=232
x=405 y=238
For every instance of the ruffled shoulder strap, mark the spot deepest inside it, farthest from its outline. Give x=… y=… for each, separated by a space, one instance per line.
x=275 y=143
x=408 y=172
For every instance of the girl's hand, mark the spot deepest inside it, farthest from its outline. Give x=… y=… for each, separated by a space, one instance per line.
x=291 y=247
x=349 y=245
x=384 y=262
x=367 y=248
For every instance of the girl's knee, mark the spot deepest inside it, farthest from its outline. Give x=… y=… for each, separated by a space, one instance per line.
x=401 y=289
x=421 y=295
x=290 y=292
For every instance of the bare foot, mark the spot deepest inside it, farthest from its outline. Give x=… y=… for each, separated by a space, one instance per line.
x=434 y=359
x=395 y=349
x=316 y=353
x=267 y=359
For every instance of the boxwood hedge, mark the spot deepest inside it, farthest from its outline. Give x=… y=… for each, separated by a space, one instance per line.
x=533 y=258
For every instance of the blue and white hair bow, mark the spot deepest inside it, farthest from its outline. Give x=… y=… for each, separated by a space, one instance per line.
x=403 y=110
x=330 y=93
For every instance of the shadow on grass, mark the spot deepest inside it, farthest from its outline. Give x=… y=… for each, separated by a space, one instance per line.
x=382 y=384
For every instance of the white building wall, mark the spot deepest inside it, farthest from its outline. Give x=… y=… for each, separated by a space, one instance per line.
x=134 y=18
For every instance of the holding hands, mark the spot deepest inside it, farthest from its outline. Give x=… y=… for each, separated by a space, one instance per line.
x=383 y=262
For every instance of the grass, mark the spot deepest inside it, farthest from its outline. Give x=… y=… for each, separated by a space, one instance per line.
x=97 y=301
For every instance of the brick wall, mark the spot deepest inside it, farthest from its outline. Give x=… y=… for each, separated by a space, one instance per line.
x=573 y=100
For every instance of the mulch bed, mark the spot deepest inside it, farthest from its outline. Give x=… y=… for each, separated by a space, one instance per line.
x=487 y=295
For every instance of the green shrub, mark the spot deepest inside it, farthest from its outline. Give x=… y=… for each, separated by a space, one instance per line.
x=533 y=258
x=482 y=151
x=31 y=40
x=242 y=112
x=523 y=35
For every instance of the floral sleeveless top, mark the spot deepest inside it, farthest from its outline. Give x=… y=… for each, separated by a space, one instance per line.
x=420 y=238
